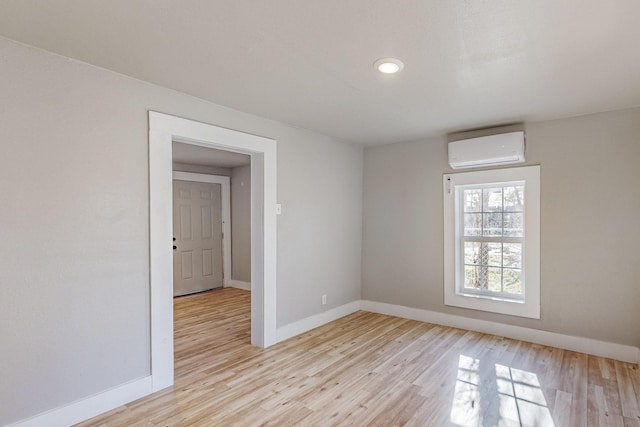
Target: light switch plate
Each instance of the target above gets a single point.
(278, 209)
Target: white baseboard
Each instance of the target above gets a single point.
(625, 353)
(238, 284)
(311, 322)
(91, 406)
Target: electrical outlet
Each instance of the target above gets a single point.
(324, 300)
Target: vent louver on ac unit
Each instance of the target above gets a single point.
(492, 150)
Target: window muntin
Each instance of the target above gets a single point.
(490, 223)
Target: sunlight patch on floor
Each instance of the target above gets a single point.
(495, 394)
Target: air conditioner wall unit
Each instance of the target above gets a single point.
(492, 150)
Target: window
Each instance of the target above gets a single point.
(492, 240)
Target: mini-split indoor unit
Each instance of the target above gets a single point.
(492, 150)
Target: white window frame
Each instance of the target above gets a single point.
(527, 305)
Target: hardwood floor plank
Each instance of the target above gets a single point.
(562, 408)
(631, 422)
(626, 377)
(371, 369)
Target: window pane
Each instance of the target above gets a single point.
(514, 198)
(473, 200)
(512, 281)
(514, 224)
(492, 224)
(475, 277)
(494, 282)
(512, 255)
(472, 224)
(494, 254)
(492, 199)
(472, 253)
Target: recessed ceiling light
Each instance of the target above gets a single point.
(388, 65)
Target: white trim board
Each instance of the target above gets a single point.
(455, 294)
(240, 285)
(615, 351)
(163, 130)
(308, 323)
(91, 406)
(225, 184)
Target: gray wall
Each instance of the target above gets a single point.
(210, 170)
(590, 227)
(241, 223)
(74, 259)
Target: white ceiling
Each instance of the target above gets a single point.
(196, 155)
(468, 63)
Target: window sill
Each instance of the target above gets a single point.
(490, 297)
(493, 304)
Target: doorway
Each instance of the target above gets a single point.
(163, 131)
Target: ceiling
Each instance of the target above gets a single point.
(196, 155)
(468, 63)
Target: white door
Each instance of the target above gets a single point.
(197, 235)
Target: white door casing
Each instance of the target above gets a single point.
(163, 130)
(197, 237)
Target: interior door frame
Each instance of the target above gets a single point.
(163, 130)
(225, 197)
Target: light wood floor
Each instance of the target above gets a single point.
(370, 369)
